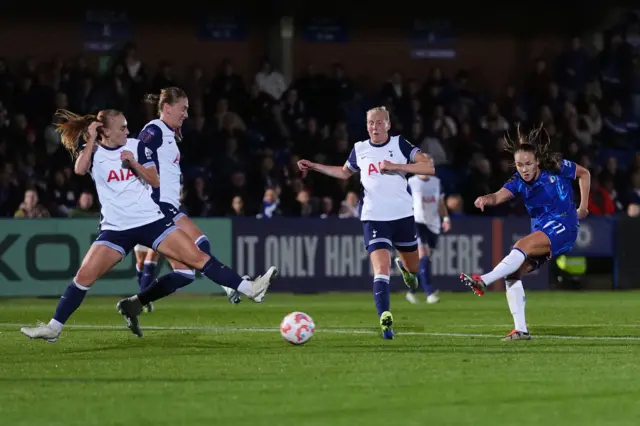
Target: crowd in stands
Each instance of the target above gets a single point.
(243, 138)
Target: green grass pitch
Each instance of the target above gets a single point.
(205, 362)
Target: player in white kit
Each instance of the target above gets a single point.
(430, 213)
(161, 137)
(387, 208)
(122, 170)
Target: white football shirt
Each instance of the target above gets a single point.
(161, 140)
(426, 195)
(386, 196)
(125, 200)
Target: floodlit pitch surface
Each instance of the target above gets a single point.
(205, 362)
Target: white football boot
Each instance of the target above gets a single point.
(41, 331)
(261, 284)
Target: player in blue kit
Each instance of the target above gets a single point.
(544, 182)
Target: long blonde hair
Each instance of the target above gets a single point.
(72, 126)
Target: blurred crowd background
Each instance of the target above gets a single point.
(246, 131)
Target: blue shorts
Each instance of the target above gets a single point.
(562, 236)
(149, 235)
(400, 233)
(170, 211)
(426, 237)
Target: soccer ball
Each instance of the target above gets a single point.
(297, 328)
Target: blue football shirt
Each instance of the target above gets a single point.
(549, 197)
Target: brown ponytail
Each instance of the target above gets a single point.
(170, 95)
(537, 142)
(72, 127)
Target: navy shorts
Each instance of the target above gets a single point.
(400, 233)
(426, 237)
(562, 236)
(170, 211)
(150, 235)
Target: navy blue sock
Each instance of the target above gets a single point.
(424, 277)
(139, 276)
(164, 286)
(215, 270)
(69, 302)
(221, 274)
(381, 293)
(204, 245)
(148, 275)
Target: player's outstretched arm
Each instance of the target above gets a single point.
(497, 198)
(584, 182)
(333, 171)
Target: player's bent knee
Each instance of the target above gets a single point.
(382, 271)
(198, 260)
(86, 276)
(189, 228)
(380, 261)
(514, 277)
(521, 245)
(152, 256)
(410, 260)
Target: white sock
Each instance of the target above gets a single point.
(517, 302)
(508, 266)
(246, 288)
(55, 325)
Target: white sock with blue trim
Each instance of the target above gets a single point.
(517, 301)
(508, 266)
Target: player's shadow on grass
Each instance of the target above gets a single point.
(174, 344)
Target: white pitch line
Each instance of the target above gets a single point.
(556, 325)
(324, 330)
(536, 325)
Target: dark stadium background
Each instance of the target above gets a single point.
(459, 58)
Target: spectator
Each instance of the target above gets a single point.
(30, 208)
(326, 207)
(349, 207)
(270, 81)
(304, 205)
(600, 202)
(270, 205)
(241, 139)
(84, 207)
(237, 206)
